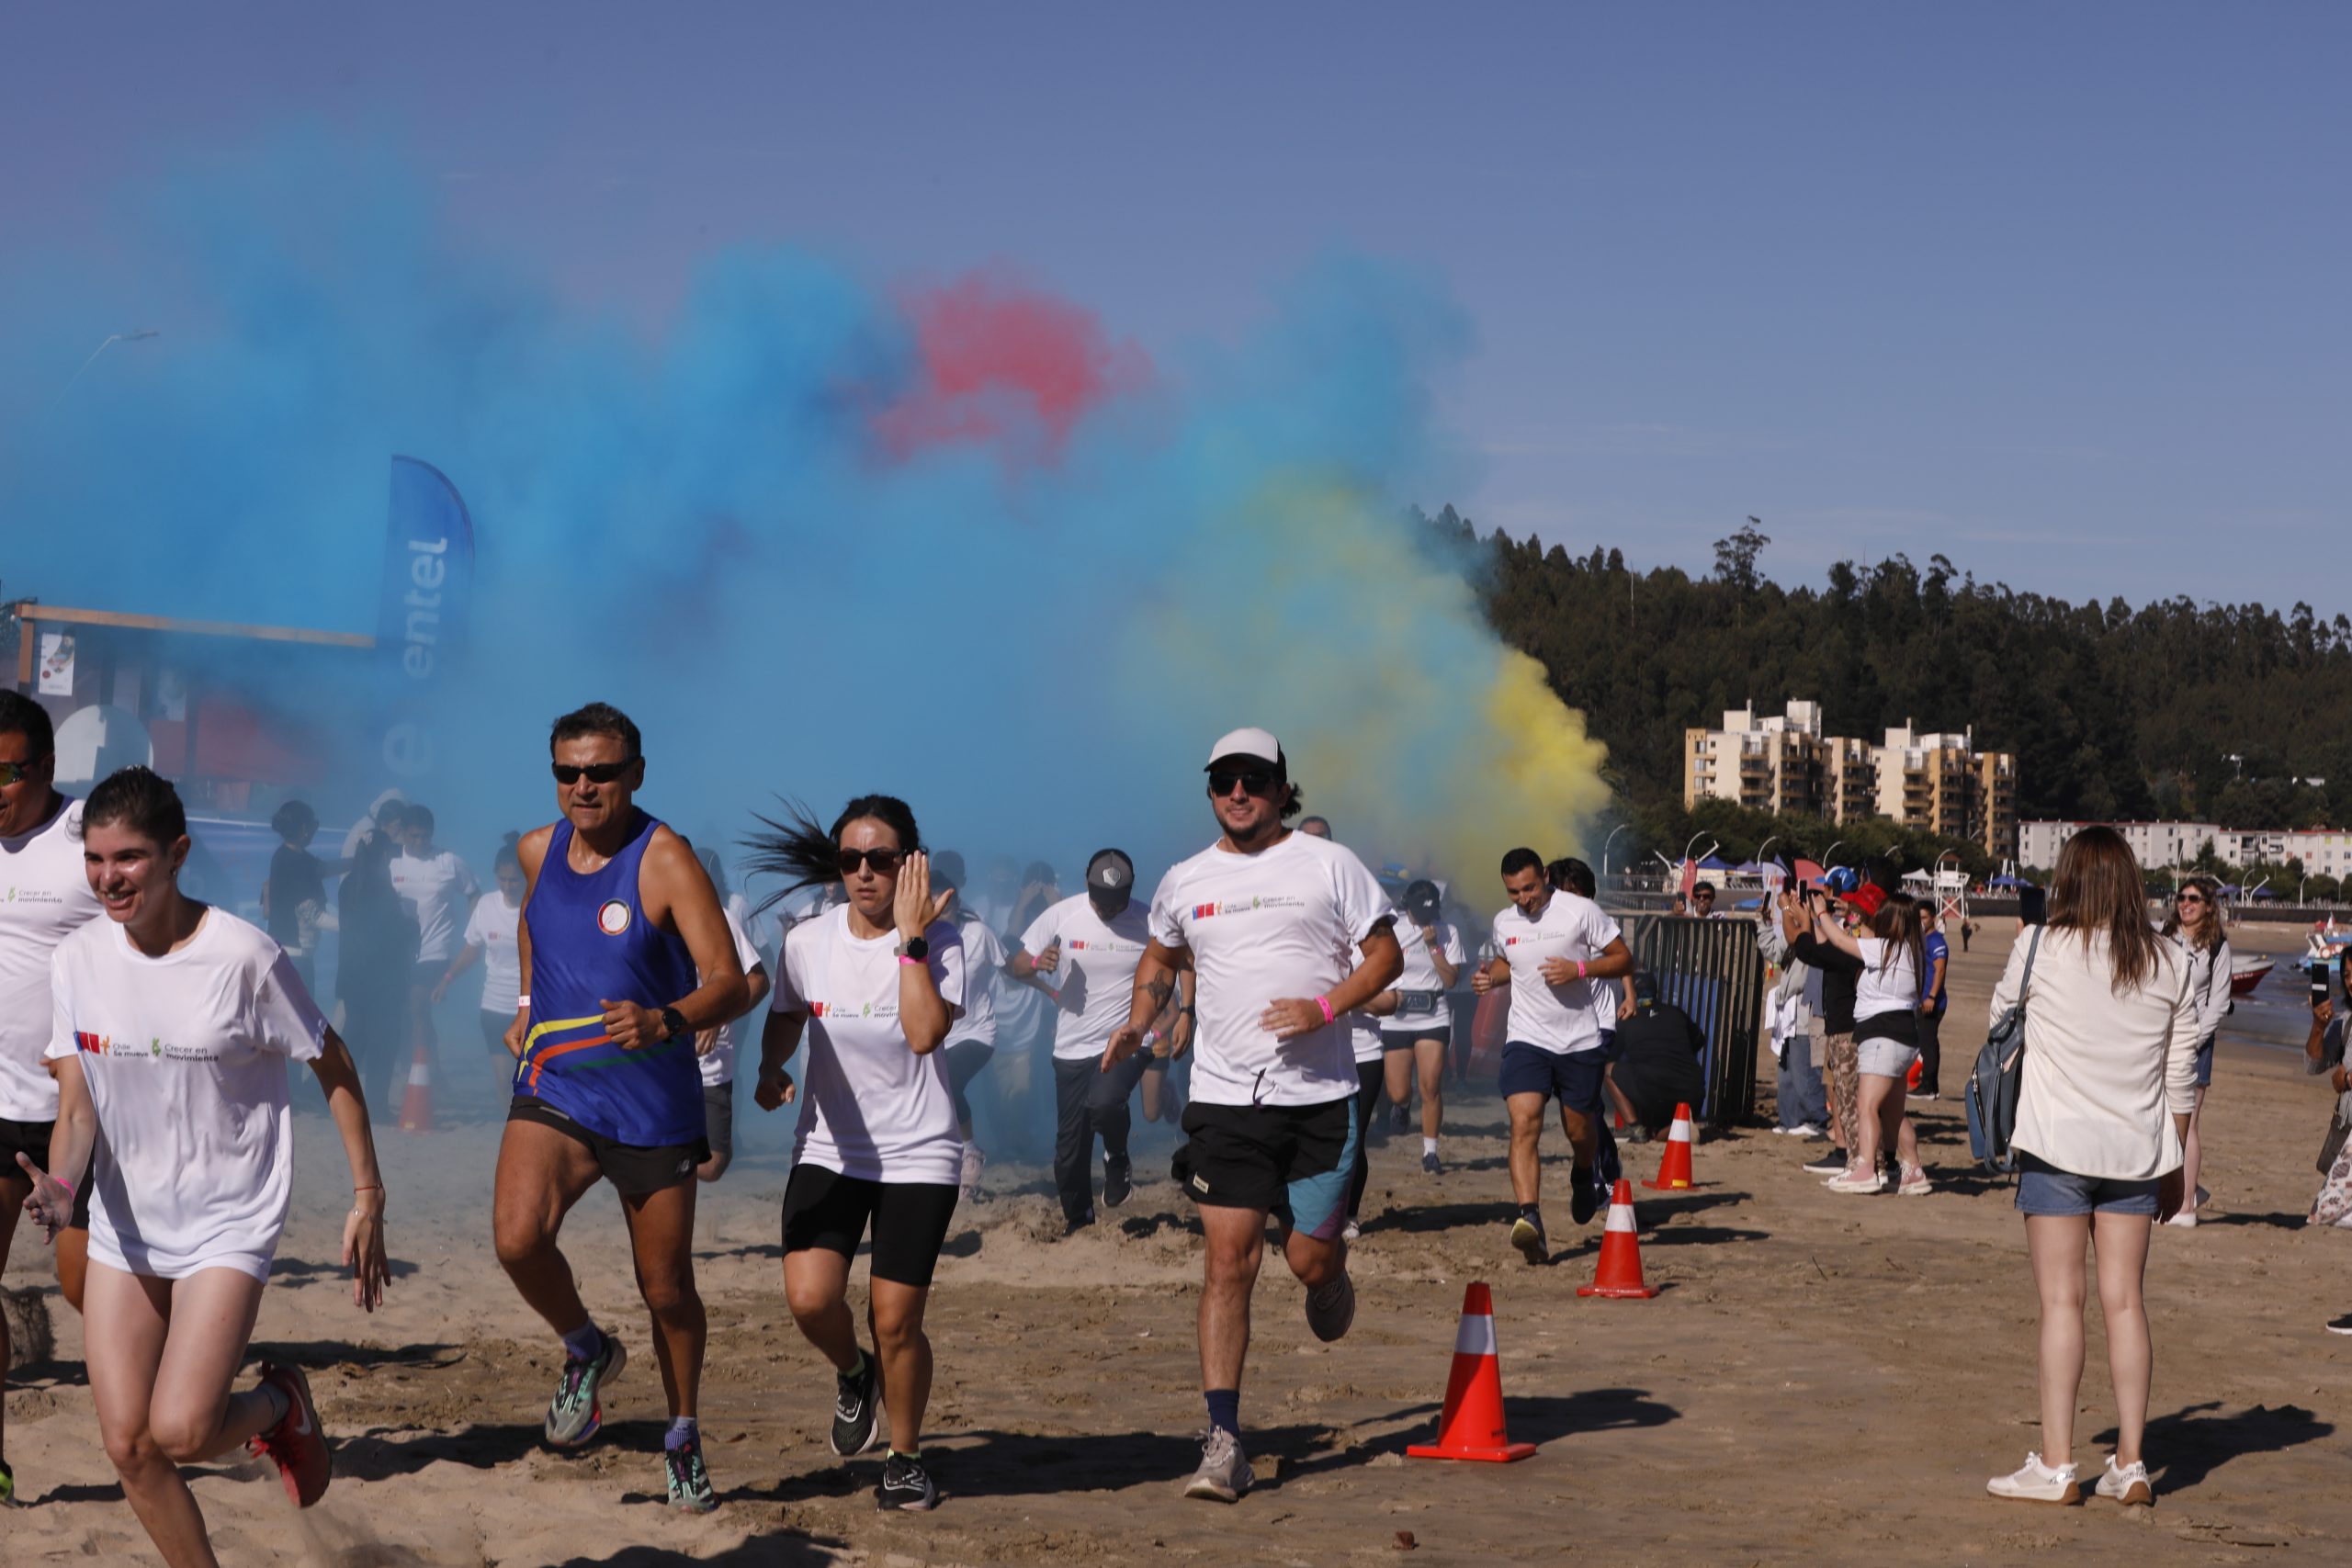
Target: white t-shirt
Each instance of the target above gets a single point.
(1893, 989)
(1021, 1008)
(44, 894)
(719, 1066)
(1566, 1019)
(186, 1058)
(869, 1107)
(1363, 1038)
(1420, 975)
(983, 963)
(492, 929)
(1287, 921)
(1095, 983)
(434, 889)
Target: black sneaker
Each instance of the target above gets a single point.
(1430, 1164)
(1400, 1118)
(857, 1401)
(1583, 1199)
(689, 1482)
(1117, 1184)
(1527, 1235)
(905, 1486)
(2340, 1325)
(1832, 1162)
(1073, 1223)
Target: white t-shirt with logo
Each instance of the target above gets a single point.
(1566, 1019)
(1420, 975)
(44, 896)
(983, 963)
(493, 929)
(186, 1058)
(869, 1107)
(1287, 921)
(434, 889)
(719, 1066)
(1095, 986)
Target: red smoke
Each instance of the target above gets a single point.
(1001, 362)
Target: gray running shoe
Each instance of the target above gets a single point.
(577, 1413)
(1331, 1307)
(1223, 1474)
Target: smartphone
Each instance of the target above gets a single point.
(2319, 983)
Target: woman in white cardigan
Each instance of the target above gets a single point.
(2195, 926)
(2109, 1079)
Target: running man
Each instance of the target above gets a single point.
(1554, 944)
(49, 895)
(1083, 953)
(172, 1025)
(626, 956)
(1268, 922)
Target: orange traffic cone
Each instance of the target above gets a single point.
(1620, 1273)
(1674, 1165)
(1911, 1078)
(416, 1107)
(1472, 1424)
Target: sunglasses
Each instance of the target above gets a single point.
(2189, 898)
(884, 862)
(18, 772)
(1257, 781)
(594, 773)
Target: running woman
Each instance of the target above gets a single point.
(972, 1040)
(173, 1022)
(48, 896)
(1270, 923)
(715, 1049)
(1083, 953)
(1552, 943)
(1415, 1037)
(875, 985)
(625, 958)
(492, 934)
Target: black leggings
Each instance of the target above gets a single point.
(965, 1060)
(1372, 1082)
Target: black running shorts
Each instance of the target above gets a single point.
(1267, 1158)
(634, 1169)
(825, 1209)
(31, 1140)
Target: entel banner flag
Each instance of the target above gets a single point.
(429, 589)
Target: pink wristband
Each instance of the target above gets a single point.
(1579, 969)
(911, 963)
(62, 1182)
(1324, 1003)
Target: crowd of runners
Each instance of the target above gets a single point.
(1269, 996)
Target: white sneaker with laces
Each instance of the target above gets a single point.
(2037, 1483)
(1806, 1130)
(1856, 1181)
(2127, 1483)
(1914, 1182)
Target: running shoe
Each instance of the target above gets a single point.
(1116, 1184)
(1914, 1182)
(2035, 1482)
(1225, 1473)
(2128, 1485)
(906, 1486)
(689, 1482)
(1400, 1118)
(1806, 1130)
(1858, 1181)
(857, 1397)
(1350, 1231)
(1583, 1199)
(1923, 1094)
(1331, 1307)
(296, 1442)
(2340, 1325)
(1431, 1166)
(969, 1180)
(1634, 1135)
(1527, 1235)
(2185, 1219)
(7, 1485)
(1833, 1162)
(577, 1412)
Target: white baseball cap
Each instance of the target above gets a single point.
(1260, 744)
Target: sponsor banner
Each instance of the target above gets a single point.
(421, 627)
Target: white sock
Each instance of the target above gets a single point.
(1429, 1145)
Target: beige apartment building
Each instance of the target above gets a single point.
(1937, 782)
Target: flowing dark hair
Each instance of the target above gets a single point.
(2098, 891)
(801, 854)
(2211, 889)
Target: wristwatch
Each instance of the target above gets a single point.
(673, 1024)
(915, 947)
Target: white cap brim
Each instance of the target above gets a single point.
(1251, 742)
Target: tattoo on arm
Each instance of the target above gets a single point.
(1159, 989)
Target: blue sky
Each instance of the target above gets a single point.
(2059, 290)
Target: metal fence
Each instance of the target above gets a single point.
(1711, 970)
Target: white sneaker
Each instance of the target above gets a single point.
(2186, 1219)
(2037, 1483)
(1856, 1181)
(1349, 1230)
(1914, 1182)
(2127, 1484)
(1806, 1130)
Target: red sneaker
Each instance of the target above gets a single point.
(296, 1443)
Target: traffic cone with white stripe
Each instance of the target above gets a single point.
(1620, 1273)
(416, 1106)
(1470, 1425)
(1674, 1165)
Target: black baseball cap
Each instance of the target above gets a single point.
(1110, 871)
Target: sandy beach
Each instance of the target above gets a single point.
(1825, 1380)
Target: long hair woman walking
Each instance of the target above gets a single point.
(2195, 925)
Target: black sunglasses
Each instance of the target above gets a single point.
(2189, 898)
(1257, 781)
(884, 862)
(594, 773)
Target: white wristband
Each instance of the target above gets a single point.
(521, 1002)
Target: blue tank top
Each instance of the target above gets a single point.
(590, 942)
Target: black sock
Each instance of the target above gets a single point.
(1530, 1211)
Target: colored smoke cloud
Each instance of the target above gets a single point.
(820, 535)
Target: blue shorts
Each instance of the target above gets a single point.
(2044, 1189)
(1573, 1079)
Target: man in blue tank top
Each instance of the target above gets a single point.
(625, 956)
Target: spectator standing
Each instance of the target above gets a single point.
(376, 952)
(2195, 927)
(1935, 953)
(295, 895)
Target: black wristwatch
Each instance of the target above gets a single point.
(915, 947)
(674, 1023)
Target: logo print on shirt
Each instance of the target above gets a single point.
(612, 918)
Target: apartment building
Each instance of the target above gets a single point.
(1786, 762)
(2325, 852)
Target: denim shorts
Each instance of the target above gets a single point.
(1885, 1058)
(2044, 1189)
(2205, 1063)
